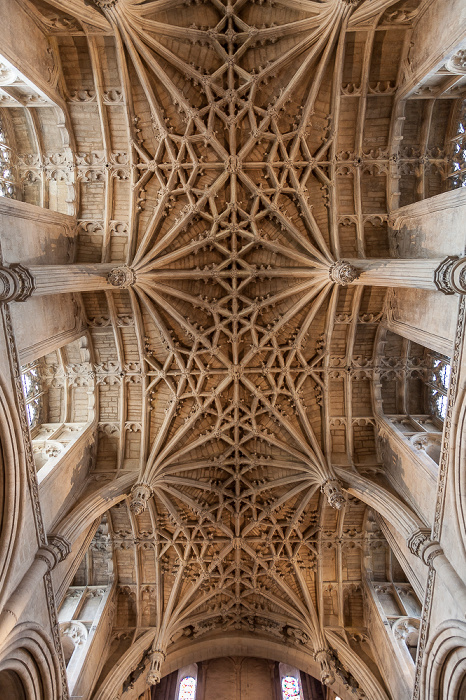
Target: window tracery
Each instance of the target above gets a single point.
(33, 392)
(438, 381)
(458, 171)
(7, 182)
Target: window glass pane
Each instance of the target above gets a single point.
(458, 158)
(30, 379)
(437, 382)
(187, 689)
(290, 688)
(6, 174)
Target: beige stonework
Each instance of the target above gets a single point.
(232, 305)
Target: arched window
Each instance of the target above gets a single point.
(290, 688)
(186, 683)
(187, 689)
(33, 392)
(438, 381)
(458, 170)
(7, 183)
(290, 682)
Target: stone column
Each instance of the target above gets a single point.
(17, 283)
(46, 559)
(447, 275)
(432, 554)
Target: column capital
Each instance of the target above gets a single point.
(54, 552)
(418, 541)
(122, 277)
(450, 276)
(16, 283)
(342, 272)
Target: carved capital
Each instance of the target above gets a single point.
(60, 545)
(450, 276)
(342, 273)
(122, 277)
(335, 496)
(140, 494)
(16, 283)
(418, 541)
(430, 551)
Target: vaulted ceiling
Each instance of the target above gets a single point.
(230, 153)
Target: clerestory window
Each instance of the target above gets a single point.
(33, 392)
(187, 690)
(458, 166)
(438, 381)
(290, 688)
(7, 183)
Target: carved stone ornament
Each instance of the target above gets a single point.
(122, 277)
(76, 631)
(457, 63)
(406, 629)
(450, 276)
(155, 673)
(342, 272)
(140, 494)
(332, 489)
(60, 545)
(418, 541)
(16, 283)
(105, 4)
(323, 658)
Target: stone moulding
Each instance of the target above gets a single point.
(440, 501)
(16, 283)
(122, 277)
(34, 492)
(342, 273)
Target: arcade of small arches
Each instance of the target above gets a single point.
(232, 361)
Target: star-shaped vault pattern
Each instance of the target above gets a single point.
(233, 234)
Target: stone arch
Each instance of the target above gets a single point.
(94, 506)
(459, 460)
(444, 664)
(247, 646)
(12, 485)
(11, 685)
(29, 663)
(402, 518)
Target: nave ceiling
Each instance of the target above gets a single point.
(229, 154)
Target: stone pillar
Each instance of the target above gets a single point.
(432, 554)
(447, 275)
(18, 283)
(46, 559)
